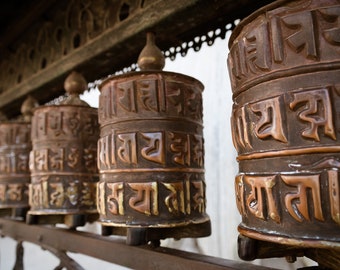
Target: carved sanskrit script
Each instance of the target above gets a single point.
(54, 193)
(270, 123)
(151, 94)
(255, 200)
(302, 198)
(145, 199)
(297, 202)
(12, 193)
(317, 112)
(14, 161)
(311, 113)
(180, 197)
(14, 134)
(63, 159)
(56, 123)
(281, 40)
(131, 148)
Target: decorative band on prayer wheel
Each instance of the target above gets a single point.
(63, 160)
(150, 151)
(284, 65)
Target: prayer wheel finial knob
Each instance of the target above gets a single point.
(75, 84)
(151, 57)
(27, 108)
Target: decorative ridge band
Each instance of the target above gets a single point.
(289, 152)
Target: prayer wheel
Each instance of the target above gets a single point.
(150, 153)
(63, 160)
(15, 146)
(284, 66)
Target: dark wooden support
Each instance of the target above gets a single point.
(103, 51)
(19, 262)
(250, 249)
(115, 250)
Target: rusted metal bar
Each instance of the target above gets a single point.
(115, 250)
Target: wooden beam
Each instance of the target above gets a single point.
(119, 45)
(114, 250)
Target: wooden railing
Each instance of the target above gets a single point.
(112, 249)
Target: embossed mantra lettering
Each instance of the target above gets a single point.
(57, 193)
(129, 148)
(12, 192)
(280, 38)
(181, 197)
(63, 159)
(312, 107)
(149, 96)
(302, 200)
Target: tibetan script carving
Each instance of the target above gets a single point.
(179, 197)
(281, 40)
(271, 121)
(54, 193)
(297, 202)
(145, 199)
(255, 200)
(152, 95)
(157, 147)
(317, 112)
(115, 199)
(302, 196)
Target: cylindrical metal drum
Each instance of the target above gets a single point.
(63, 160)
(15, 146)
(284, 65)
(150, 152)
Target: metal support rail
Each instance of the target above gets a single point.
(111, 249)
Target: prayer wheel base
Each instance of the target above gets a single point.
(70, 220)
(142, 235)
(14, 212)
(250, 249)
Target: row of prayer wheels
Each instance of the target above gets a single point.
(136, 163)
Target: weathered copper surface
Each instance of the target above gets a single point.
(63, 160)
(284, 65)
(15, 145)
(150, 152)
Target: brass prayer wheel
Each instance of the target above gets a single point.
(284, 66)
(150, 152)
(63, 160)
(15, 146)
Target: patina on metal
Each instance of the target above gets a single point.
(15, 146)
(151, 154)
(284, 65)
(63, 160)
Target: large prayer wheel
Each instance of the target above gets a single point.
(63, 160)
(284, 65)
(150, 152)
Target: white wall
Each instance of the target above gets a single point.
(208, 66)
